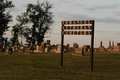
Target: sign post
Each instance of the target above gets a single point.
(85, 27)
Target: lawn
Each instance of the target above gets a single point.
(46, 66)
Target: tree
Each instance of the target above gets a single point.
(15, 32)
(18, 29)
(41, 18)
(23, 20)
(5, 16)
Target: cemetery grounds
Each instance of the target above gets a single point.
(46, 66)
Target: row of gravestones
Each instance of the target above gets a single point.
(80, 51)
(9, 50)
(111, 48)
(57, 49)
(86, 48)
(4, 47)
(48, 47)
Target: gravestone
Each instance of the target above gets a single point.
(13, 49)
(27, 50)
(48, 44)
(38, 49)
(21, 49)
(102, 48)
(75, 45)
(110, 48)
(116, 49)
(46, 49)
(96, 50)
(112, 44)
(51, 50)
(54, 49)
(85, 50)
(118, 44)
(109, 44)
(78, 52)
(86, 47)
(100, 43)
(7, 51)
(43, 46)
(66, 48)
(89, 50)
(59, 49)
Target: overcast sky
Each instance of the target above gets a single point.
(104, 12)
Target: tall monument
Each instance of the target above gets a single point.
(100, 43)
(112, 43)
(109, 44)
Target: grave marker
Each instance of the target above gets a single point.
(27, 50)
(112, 44)
(58, 49)
(38, 49)
(78, 52)
(96, 50)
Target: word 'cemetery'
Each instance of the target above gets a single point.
(76, 27)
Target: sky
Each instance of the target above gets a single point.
(104, 12)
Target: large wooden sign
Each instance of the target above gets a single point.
(85, 27)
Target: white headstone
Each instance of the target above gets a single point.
(46, 49)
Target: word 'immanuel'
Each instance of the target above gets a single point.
(78, 22)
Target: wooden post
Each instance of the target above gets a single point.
(62, 41)
(92, 44)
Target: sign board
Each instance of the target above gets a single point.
(85, 27)
(76, 32)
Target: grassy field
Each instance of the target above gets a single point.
(46, 66)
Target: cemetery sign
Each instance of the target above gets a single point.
(85, 27)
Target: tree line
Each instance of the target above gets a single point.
(37, 15)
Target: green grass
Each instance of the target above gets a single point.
(46, 66)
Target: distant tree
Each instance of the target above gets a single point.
(41, 18)
(23, 20)
(15, 32)
(18, 29)
(5, 16)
